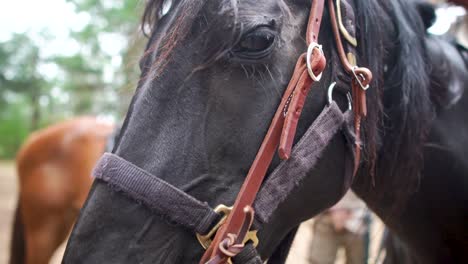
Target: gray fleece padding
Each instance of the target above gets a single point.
(304, 156)
(168, 201)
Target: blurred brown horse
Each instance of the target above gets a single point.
(54, 171)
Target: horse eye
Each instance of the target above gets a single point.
(258, 42)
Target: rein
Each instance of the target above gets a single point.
(226, 232)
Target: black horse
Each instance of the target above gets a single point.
(212, 76)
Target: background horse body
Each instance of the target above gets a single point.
(54, 170)
(212, 77)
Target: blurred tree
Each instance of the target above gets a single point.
(38, 88)
(19, 58)
(120, 21)
(21, 88)
(13, 129)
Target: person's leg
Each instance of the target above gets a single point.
(325, 242)
(354, 246)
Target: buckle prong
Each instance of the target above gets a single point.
(356, 76)
(205, 240)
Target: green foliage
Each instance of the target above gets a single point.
(13, 129)
(95, 80)
(18, 61)
(122, 19)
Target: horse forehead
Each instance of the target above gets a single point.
(260, 6)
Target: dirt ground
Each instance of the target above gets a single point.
(8, 196)
(7, 205)
(8, 192)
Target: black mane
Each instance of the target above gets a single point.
(400, 109)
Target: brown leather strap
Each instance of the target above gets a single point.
(294, 96)
(228, 240)
(296, 105)
(315, 20)
(361, 77)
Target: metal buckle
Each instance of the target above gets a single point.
(310, 51)
(330, 96)
(205, 240)
(359, 80)
(330, 92)
(344, 32)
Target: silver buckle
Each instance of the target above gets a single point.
(310, 50)
(330, 96)
(359, 80)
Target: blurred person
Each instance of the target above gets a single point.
(344, 225)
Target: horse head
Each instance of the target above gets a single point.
(213, 74)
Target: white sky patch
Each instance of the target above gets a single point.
(48, 70)
(48, 24)
(44, 100)
(446, 16)
(112, 43)
(56, 17)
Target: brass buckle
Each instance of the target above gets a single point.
(205, 240)
(352, 40)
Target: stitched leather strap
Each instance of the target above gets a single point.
(297, 102)
(291, 104)
(199, 216)
(286, 119)
(361, 77)
(315, 20)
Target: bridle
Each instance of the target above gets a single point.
(230, 227)
(231, 235)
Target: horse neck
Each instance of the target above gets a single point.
(443, 174)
